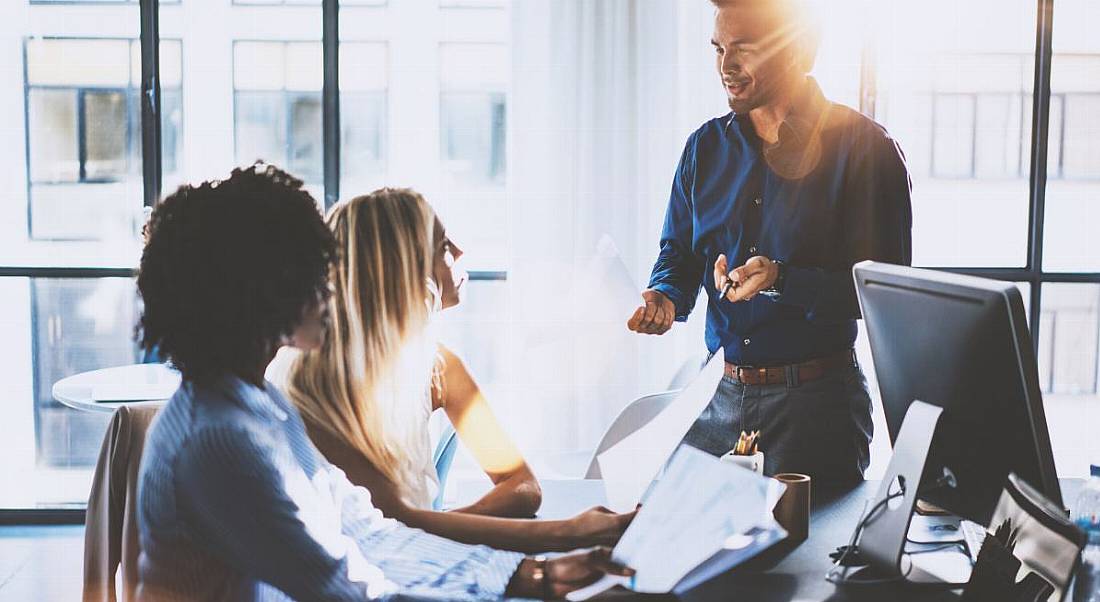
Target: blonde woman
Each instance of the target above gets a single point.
(367, 392)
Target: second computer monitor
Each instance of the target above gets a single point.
(961, 343)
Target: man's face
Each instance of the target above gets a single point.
(751, 54)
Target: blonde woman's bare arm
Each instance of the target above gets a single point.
(516, 491)
(597, 526)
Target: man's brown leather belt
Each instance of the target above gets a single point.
(793, 374)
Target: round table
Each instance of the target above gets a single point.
(107, 389)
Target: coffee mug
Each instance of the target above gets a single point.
(754, 462)
(792, 512)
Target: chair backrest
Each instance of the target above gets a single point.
(634, 416)
(111, 533)
(442, 458)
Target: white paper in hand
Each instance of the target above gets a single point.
(631, 465)
(692, 513)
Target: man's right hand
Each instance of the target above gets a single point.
(654, 316)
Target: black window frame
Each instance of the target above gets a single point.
(1031, 273)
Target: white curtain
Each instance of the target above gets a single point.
(604, 94)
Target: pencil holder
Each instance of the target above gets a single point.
(755, 462)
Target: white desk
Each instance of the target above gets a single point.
(107, 389)
(561, 498)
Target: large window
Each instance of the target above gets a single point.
(959, 96)
(423, 91)
(956, 94)
(248, 84)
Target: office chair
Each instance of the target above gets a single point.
(442, 459)
(111, 531)
(634, 416)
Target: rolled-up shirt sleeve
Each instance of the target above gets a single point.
(878, 221)
(678, 271)
(421, 565)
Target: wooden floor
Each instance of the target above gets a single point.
(41, 563)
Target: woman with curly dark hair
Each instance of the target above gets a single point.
(234, 501)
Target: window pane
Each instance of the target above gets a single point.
(1068, 367)
(363, 89)
(362, 154)
(277, 99)
(950, 89)
(83, 145)
(472, 113)
(474, 80)
(1070, 241)
(79, 141)
(106, 128)
(998, 137)
(1082, 153)
(472, 130)
(171, 126)
(52, 115)
(260, 123)
(306, 158)
(953, 123)
(56, 328)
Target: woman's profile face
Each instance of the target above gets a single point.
(449, 279)
(310, 333)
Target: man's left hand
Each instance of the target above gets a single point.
(757, 274)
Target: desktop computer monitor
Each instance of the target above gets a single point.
(960, 343)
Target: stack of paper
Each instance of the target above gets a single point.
(701, 519)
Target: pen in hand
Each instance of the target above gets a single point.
(726, 289)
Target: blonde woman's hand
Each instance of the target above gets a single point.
(598, 526)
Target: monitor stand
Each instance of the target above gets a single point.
(882, 542)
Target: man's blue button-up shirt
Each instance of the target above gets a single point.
(833, 191)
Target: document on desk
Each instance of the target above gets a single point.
(629, 467)
(701, 519)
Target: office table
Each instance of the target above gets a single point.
(107, 389)
(784, 573)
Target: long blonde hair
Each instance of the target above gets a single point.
(368, 384)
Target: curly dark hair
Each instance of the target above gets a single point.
(229, 268)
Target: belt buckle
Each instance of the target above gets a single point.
(763, 372)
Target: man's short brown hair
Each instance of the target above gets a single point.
(790, 14)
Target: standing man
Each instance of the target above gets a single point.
(779, 198)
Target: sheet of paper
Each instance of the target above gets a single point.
(629, 466)
(692, 513)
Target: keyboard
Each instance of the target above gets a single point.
(974, 536)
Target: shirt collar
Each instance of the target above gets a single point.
(261, 401)
(799, 148)
(802, 118)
